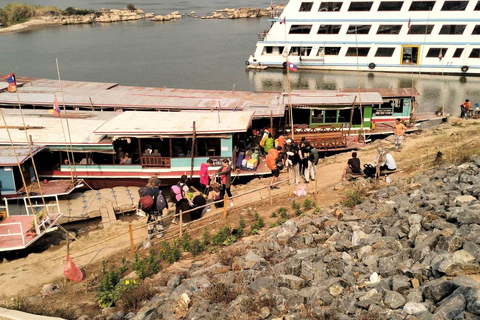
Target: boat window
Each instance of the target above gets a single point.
(300, 29)
(362, 52)
(458, 53)
(436, 53)
(357, 116)
(329, 29)
(454, 5)
(360, 6)
(331, 51)
(398, 106)
(330, 116)
(273, 50)
(344, 115)
(306, 6)
(268, 50)
(208, 147)
(476, 30)
(475, 53)
(358, 29)
(384, 52)
(420, 29)
(452, 29)
(389, 29)
(477, 7)
(156, 147)
(330, 6)
(390, 6)
(300, 51)
(422, 5)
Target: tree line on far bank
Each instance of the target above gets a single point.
(14, 13)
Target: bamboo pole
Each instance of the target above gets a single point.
(132, 245)
(316, 190)
(225, 202)
(181, 223)
(193, 151)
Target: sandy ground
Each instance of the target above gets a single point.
(26, 276)
(28, 25)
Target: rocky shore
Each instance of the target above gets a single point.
(117, 15)
(410, 251)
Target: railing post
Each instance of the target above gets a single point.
(58, 205)
(26, 206)
(181, 223)
(270, 195)
(6, 207)
(225, 202)
(316, 191)
(21, 232)
(132, 245)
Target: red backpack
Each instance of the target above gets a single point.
(146, 202)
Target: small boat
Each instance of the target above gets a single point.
(256, 67)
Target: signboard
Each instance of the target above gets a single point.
(383, 112)
(217, 162)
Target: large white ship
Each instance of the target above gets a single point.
(387, 36)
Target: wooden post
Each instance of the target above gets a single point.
(351, 114)
(316, 191)
(193, 151)
(271, 123)
(181, 223)
(132, 245)
(233, 88)
(225, 202)
(270, 195)
(91, 103)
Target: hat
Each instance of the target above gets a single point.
(289, 141)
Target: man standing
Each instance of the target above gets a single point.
(292, 162)
(204, 177)
(465, 109)
(272, 159)
(399, 131)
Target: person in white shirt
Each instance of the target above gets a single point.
(387, 163)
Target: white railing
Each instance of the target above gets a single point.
(9, 234)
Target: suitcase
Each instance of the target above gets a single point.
(240, 157)
(252, 163)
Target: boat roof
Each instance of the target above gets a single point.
(333, 98)
(41, 92)
(388, 92)
(138, 123)
(46, 129)
(8, 158)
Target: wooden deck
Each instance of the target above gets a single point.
(11, 225)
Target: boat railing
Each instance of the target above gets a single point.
(155, 161)
(275, 14)
(13, 234)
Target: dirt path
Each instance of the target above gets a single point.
(27, 275)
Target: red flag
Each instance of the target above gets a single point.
(71, 271)
(409, 21)
(56, 109)
(12, 82)
(284, 21)
(291, 66)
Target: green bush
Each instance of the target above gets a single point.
(222, 235)
(241, 228)
(145, 267)
(107, 293)
(197, 247)
(308, 204)
(14, 13)
(131, 7)
(295, 205)
(206, 237)
(174, 255)
(170, 253)
(273, 215)
(185, 242)
(257, 224)
(283, 213)
(71, 11)
(354, 197)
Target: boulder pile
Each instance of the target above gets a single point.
(410, 251)
(115, 15)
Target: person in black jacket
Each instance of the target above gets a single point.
(154, 220)
(292, 163)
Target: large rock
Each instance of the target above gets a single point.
(393, 300)
(469, 216)
(291, 282)
(460, 262)
(462, 200)
(428, 243)
(414, 308)
(450, 307)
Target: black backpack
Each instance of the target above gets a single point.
(279, 162)
(369, 170)
(161, 202)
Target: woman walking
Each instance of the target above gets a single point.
(225, 173)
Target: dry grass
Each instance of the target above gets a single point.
(23, 305)
(221, 292)
(14, 13)
(131, 300)
(226, 256)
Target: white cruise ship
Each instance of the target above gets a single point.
(387, 36)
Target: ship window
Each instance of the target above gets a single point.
(475, 53)
(390, 6)
(330, 6)
(300, 29)
(476, 30)
(436, 53)
(306, 6)
(344, 115)
(300, 51)
(331, 51)
(329, 29)
(422, 6)
(384, 52)
(389, 29)
(452, 29)
(454, 5)
(268, 50)
(330, 116)
(360, 6)
(420, 29)
(273, 50)
(458, 53)
(362, 52)
(477, 7)
(360, 29)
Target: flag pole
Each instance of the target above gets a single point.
(66, 143)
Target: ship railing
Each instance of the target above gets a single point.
(13, 234)
(275, 14)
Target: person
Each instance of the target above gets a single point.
(301, 168)
(198, 200)
(399, 131)
(272, 160)
(353, 166)
(316, 157)
(292, 162)
(269, 143)
(126, 159)
(304, 155)
(387, 163)
(120, 155)
(465, 109)
(154, 217)
(281, 141)
(184, 203)
(311, 167)
(225, 173)
(204, 177)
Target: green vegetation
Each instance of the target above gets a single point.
(196, 247)
(145, 267)
(206, 237)
(107, 293)
(308, 204)
(185, 242)
(354, 197)
(71, 11)
(220, 237)
(296, 206)
(131, 7)
(282, 212)
(257, 224)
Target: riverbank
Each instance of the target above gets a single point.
(117, 15)
(456, 140)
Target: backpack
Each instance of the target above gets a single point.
(369, 170)
(161, 202)
(146, 202)
(279, 162)
(176, 192)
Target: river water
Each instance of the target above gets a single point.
(190, 53)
